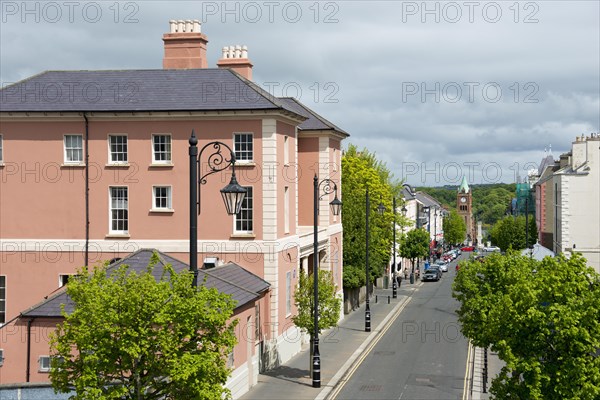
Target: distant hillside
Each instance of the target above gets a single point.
(490, 201)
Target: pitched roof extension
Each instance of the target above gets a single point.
(231, 279)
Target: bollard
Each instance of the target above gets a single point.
(388, 299)
(376, 299)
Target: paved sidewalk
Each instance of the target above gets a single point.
(339, 348)
(494, 365)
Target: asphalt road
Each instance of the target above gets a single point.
(421, 356)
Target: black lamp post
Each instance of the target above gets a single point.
(233, 194)
(427, 210)
(394, 280)
(367, 307)
(435, 215)
(327, 186)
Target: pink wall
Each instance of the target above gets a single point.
(287, 176)
(288, 262)
(308, 159)
(34, 155)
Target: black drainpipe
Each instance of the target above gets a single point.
(28, 371)
(87, 191)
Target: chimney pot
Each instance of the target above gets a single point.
(185, 46)
(236, 59)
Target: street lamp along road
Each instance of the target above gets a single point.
(327, 186)
(233, 194)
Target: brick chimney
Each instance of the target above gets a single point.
(185, 46)
(236, 58)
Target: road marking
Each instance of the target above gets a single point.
(467, 373)
(360, 354)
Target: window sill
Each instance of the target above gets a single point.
(243, 236)
(117, 236)
(245, 164)
(156, 165)
(1, 164)
(117, 165)
(72, 165)
(162, 210)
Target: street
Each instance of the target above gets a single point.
(421, 356)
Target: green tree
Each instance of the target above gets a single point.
(359, 171)
(533, 232)
(414, 245)
(329, 303)
(132, 336)
(510, 233)
(543, 320)
(455, 229)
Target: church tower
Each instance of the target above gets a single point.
(464, 206)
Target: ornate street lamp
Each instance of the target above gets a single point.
(326, 186)
(233, 194)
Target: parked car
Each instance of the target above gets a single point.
(467, 248)
(443, 266)
(491, 248)
(432, 274)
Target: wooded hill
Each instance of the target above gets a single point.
(490, 201)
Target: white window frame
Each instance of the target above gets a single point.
(110, 153)
(169, 152)
(41, 361)
(239, 151)
(1, 357)
(3, 302)
(169, 207)
(286, 209)
(237, 218)
(61, 279)
(288, 293)
(66, 149)
(110, 211)
(1, 149)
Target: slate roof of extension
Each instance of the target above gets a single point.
(315, 121)
(208, 89)
(232, 279)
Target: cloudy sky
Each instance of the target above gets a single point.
(435, 89)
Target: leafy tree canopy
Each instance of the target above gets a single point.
(329, 303)
(455, 229)
(361, 169)
(132, 336)
(510, 233)
(415, 244)
(543, 320)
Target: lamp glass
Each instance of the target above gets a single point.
(381, 208)
(233, 196)
(336, 206)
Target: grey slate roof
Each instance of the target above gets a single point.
(427, 200)
(546, 162)
(231, 279)
(206, 89)
(407, 194)
(314, 121)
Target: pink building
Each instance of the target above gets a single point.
(94, 166)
